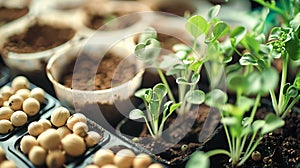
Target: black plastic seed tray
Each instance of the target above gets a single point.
(22, 160)
(48, 104)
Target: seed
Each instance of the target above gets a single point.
(136, 140)
(27, 142)
(37, 155)
(103, 157)
(24, 93)
(5, 113)
(31, 106)
(49, 139)
(73, 145)
(124, 158)
(20, 82)
(38, 94)
(184, 147)
(110, 166)
(77, 117)
(55, 159)
(18, 118)
(5, 126)
(80, 128)
(59, 116)
(256, 156)
(8, 164)
(15, 102)
(46, 123)
(6, 92)
(142, 161)
(92, 138)
(35, 128)
(155, 165)
(63, 131)
(2, 155)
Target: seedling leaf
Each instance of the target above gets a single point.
(195, 97)
(136, 114)
(196, 26)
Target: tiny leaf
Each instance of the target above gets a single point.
(216, 98)
(196, 26)
(295, 23)
(147, 34)
(214, 11)
(237, 34)
(220, 30)
(160, 90)
(195, 97)
(140, 93)
(175, 106)
(136, 114)
(272, 122)
(198, 160)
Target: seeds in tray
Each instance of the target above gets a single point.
(63, 131)
(49, 139)
(73, 145)
(6, 92)
(80, 128)
(8, 164)
(142, 161)
(124, 158)
(92, 138)
(24, 93)
(37, 155)
(77, 117)
(15, 102)
(38, 94)
(55, 159)
(103, 157)
(59, 116)
(46, 123)
(27, 142)
(5, 126)
(31, 106)
(35, 128)
(2, 155)
(18, 118)
(155, 165)
(5, 113)
(110, 166)
(20, 82)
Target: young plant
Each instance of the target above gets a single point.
(153, 101)
(186, 63)
(238, 128)
(283, 42)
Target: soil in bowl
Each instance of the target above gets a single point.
(186, 129)
(111, 71)
(10, 14)
(110, 21)
(38, 37)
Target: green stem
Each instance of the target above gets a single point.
(250, 152)
(243, 144)
(216, 152)
(274, 102)
(283, 81)
(163, 79)
(251, 142)
(290, 106)
(149, 128)
(237, 150)
(227, 135)
(272, 7)
(253, 112)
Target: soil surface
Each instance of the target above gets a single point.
(110, 21)
(38, 38)
(185, 129)
(111, 71)
(175, 7)
(9, 14)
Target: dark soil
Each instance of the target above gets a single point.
(37, 38)
(9, 14)
(111, 71)
(185, 129)
(111, 21)
(175, 7)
